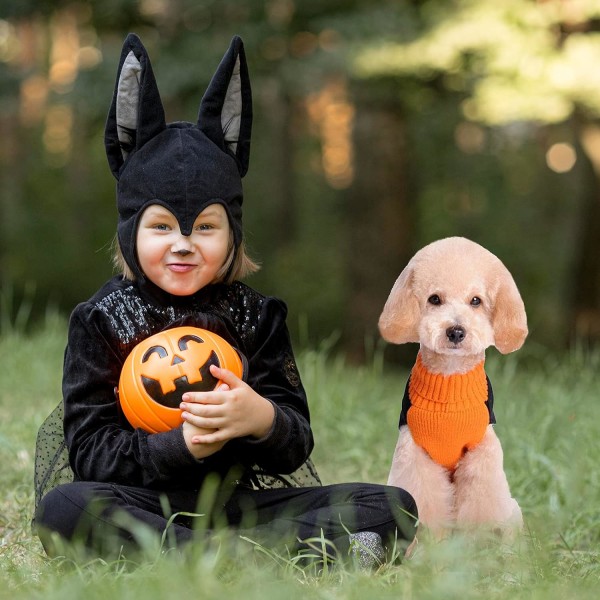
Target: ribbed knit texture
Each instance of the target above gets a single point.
(448, 414)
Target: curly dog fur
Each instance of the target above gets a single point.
(455, 299)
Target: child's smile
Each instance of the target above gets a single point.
(181, 268)
(181, 265)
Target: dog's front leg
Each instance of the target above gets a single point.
(428, 482)
(482, 491)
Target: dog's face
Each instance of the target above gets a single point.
(455, 312)
(455, 298)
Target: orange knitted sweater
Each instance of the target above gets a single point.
(448, 414)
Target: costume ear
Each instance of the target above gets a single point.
(509, 320)
(225, 114)
(399, 320)
(136, 114)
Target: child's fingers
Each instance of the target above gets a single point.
(206, 416)
(226, 376)
(205, 397)
(214, 437)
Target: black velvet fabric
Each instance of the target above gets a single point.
(104, 447)
(280, 518)
(182, 170)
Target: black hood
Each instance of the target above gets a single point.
(182, 166)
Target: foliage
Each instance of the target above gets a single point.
(517, 60)
(485, 90)
(547, 413)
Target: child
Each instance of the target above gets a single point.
(180, 247)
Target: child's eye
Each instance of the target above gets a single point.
(204, 227)
(161, 227)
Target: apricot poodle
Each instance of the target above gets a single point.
(455, 299)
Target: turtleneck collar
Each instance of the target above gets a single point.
(470, 387)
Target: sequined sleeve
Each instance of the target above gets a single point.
(274, 375)
(101, 446)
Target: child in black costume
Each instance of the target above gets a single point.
(179, 198)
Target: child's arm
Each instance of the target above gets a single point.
(266, 420)
(102, 446)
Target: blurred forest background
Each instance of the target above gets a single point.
(379, 126)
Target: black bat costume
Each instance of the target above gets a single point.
(91, 465)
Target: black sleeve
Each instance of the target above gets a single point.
(102, 446)
(490, 401)
(272, 373)
(405, 406)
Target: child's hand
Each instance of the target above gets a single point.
(199, 451)
(232, 410)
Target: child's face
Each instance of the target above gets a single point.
(182, 265)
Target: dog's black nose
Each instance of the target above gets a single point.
(456, 334)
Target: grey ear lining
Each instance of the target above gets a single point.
(231, 115)
(225, 114)
(136, 114)
(128, 98)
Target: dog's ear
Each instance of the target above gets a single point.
(509, 320)
(399, 320)
(225, 114)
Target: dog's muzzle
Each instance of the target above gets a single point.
(456, 334)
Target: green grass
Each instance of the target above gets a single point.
(548, 420)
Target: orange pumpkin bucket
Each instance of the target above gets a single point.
(161, 368)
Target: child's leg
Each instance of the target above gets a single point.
(285, 515)
(101, 515)
(104, 516)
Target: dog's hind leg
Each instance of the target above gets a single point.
(482, 491)
(428, 482)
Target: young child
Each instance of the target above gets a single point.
(181, 251)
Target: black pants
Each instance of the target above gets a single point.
(98, 513)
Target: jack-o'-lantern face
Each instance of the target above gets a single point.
(166, 375)
(162, 367)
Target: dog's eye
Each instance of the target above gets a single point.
(435, 300)
(476, 301)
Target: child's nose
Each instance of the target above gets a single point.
(182, 246)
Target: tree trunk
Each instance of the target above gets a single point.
(379, 212)
(277, 161)
(585, 320)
